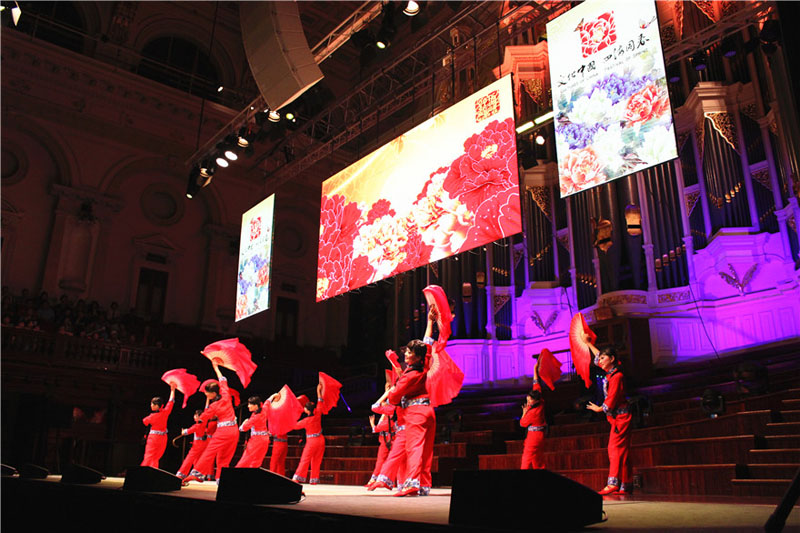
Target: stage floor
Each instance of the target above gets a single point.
(625, 513)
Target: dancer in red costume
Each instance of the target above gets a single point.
(314, 449)
(618, 415)
(533, 420)
(394, 468)
(258, 445)
(157, 420)
(222, 445)
(384, 430)
(420, 419)
(199, 443)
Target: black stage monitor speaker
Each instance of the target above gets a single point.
(80, 475)
(277, 51)
(522, 499)
(32, 471)
(257, 485)
(7, 470)
(149, 479)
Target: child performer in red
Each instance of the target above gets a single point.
(411, 393)
(394, 468)
(157, 420)
(616, 408)
(314, 449)
(533, 419)
(384, 430)
(258, 445)
(222, 445)
(199, 444)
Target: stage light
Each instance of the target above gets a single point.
(674, 73)
(289, 115)
(193, 186)
(411, 9)
(525, 127)
(544, 118)
(16, 13)
(699, 61)
(713, 403)
(244, 137)
(207, 168)
(219, 89)
(274, 116)
(770, 31)
(231, 155)
(540, 140)
(729, 47)
(387, 31)
(222, 162)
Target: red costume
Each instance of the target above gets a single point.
(384, 431)
(157, 438)
(314, 448)
(280, 447)
(258, 445)
(619, 440)
(223, 444)
(420, 421)
(395, 466)
(533, 419)
(198, 447)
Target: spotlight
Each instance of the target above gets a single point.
(411, 9)
(387, 31)
(699, 61)
(274, 116)
(221, 161)
(713, 403)
(244, 137)
(219, 89)
(231, 155)
(525, 127)
(193, 186)
(16, 13)
(543, 118)
(729, 47)
(207, 168)
(770, 31)
(540, 140)
(289, 116)
(673, 73)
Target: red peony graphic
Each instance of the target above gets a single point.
(339, 222)
(380, 208)
(579, 170)
(598, 34)
(255, 228)
(649, 103)
(263, 276)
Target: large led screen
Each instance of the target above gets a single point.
(446, 186)
(255, 259)
(610, 99)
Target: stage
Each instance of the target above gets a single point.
(331, 507)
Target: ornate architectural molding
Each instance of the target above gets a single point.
(541, 196)
(674, 297)
(708, 8)
(499, 301)
(725, 125)
(85, 194)
(691, 197)
(762, 176)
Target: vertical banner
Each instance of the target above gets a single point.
(255, 259)
(610, 99)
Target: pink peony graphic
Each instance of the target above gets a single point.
(498, 217)
(255, 228)
(648, 103)
(339, 222)
(579, 170)
(263, 275)
(380, 208)
(597, 34)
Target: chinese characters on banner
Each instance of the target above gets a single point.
(610, 99)
(447, 186)
(255, 259)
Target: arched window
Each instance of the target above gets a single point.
(181, 64)
(59, 23)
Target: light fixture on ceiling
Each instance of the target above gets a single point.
(387, 30)
(540, 140)
(219, 89)
(244, 138)
(543, 118)
(221, 161)
(289, 115)
(207, 168)
(699, 61)
(525, 127)
(193, 184)
(411, 9)
(274, 116)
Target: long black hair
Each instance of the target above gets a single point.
(255, 400)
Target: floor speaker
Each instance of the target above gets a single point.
(32, 471)
(522, 499)
(257, 485)
(149, 479)
(7, 470)
(80, 475)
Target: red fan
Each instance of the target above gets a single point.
(184, 382)
(284, 412)
(330, 392)
(435, 296)
(391, 377)
(444, 378)
(302, 400)
(237, 399)
(581, 354)
(393, 360)
(549, 368)
(233, 355)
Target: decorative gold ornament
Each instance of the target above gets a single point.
(633, 220)
(724, 124)
(691, 200)
(541, 196)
